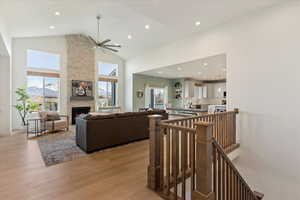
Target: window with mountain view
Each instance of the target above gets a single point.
(44, 91)
(43, 79)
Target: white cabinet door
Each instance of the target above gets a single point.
(204, 92)
(189, 89)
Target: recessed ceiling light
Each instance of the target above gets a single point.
(197, 23)
(160, 72)
(205, 64)
(52, 27)
(179, 68)
(147, 26)
(57, 13)
(129, 37)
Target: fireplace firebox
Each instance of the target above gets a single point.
(79, 110)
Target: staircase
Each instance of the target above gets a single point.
(189, 161)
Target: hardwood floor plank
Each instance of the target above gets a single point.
(114, 174)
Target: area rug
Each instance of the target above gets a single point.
(59, 147)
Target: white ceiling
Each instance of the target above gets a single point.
(169, 20)
(210, 68)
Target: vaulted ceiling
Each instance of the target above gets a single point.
(169, 20)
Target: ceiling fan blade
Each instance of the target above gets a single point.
(104, 42)
(92, 40)
(111, 49)
(113, 45)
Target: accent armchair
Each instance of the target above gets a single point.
(52, 121)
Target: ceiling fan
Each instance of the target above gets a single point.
(103, 44)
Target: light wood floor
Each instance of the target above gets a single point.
(115, 174)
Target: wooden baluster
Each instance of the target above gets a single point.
(221, 130)
(192, 158)
(183, 162)
(154, 153)
(218, 128)
(215, 175)
(230, 184)
(215, 126)
(227, 182)
(223, 179)
(162, 160)
(219, 176)
(175, 161)
(168, 161)
(225, 131)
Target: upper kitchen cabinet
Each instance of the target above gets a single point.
(189, 88)
(209, 90)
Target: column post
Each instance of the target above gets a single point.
(154, 152)
(204, 154)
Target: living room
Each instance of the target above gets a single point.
(63, 58)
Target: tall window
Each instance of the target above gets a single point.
(107, 85)
(43, 82)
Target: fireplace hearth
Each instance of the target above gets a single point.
(79, 110)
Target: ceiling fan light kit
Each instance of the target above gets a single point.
(105, 43)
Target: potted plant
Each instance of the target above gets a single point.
(24, 106)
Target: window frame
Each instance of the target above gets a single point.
(46, 73)
(115, 79)
(102, 75)
(40, 68)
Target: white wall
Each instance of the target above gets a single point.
(5, 79)
(51, 44)
(5, 95)
(263, 81)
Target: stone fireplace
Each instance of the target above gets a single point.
(80, 66)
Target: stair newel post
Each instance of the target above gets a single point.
(203, 168)
(154, 157)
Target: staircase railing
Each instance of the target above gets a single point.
(224, 129)
(188, 162)
(227, 181)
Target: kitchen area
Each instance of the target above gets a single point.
(194, 97)
(185, 89)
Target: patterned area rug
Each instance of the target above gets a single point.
(59, 147)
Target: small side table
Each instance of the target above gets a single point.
(37, 128)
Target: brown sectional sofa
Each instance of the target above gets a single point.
(96, 132)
